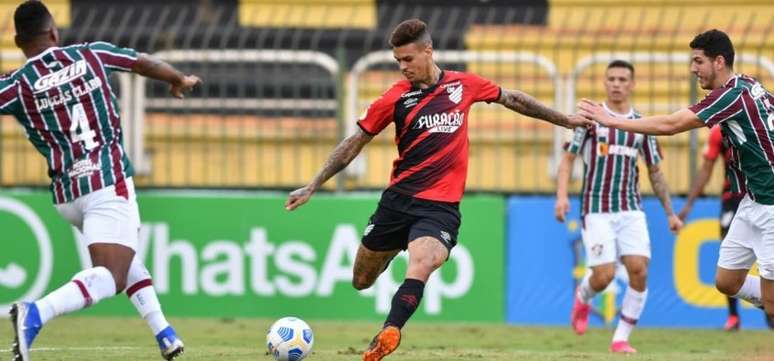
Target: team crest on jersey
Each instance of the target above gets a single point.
(597, 249)
(63, 76)
(455, 93)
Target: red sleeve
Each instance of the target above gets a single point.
(380, 113)
(484, 90)
(714, 144)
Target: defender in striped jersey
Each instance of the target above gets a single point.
(419, 210)
(62, 98)
(614, 226)
(744, 109)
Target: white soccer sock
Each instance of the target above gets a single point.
(631, 309)
(143, 296)
(585, 292)
(87, 288)
(751, 291)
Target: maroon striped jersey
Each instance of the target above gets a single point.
(610, 173)
(62, 98)
(745, 111)
(431, 132)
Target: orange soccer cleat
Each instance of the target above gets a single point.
(383, 344)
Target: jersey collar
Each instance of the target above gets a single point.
(432, 87)
(628, 115)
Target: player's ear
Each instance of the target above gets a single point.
(17, 41)
(53, 34)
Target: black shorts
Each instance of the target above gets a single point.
(400, 219)
(727, 211)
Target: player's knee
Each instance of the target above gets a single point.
(603, 277)
(361, 282)
(427, 264)
(639, 273)
(727, 286)
(120, 281)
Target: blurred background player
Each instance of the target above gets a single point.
(614, 225)
(729, 202)
(744, 110)
(728, 205)
(62, 98)
(419, 210)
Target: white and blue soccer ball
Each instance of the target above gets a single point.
(290, 339)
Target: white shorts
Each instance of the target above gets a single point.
(103, 216)
(751, 236)
(608, 236)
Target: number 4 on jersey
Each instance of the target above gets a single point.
(80, 120)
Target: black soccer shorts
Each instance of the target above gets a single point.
(400, 219)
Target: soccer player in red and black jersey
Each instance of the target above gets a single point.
(419, 211)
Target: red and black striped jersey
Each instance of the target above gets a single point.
(431, 132)
(712, 150)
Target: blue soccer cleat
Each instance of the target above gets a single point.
(26, 325)
(171, 346)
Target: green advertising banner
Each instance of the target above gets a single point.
(235, 254)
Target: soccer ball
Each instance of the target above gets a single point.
(289, 339)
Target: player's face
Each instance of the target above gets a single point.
(414, 60)
(704, 68)
(619, 84)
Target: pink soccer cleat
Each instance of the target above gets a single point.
(622, 347)
(579, 318)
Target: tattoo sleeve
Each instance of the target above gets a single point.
(341, 156)
(661, 189)
(524, 103)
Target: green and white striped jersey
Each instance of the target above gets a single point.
(745, 111)
(62, 98)
(610, 173)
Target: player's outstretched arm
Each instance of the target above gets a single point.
(562, 180)
(702, 178)
(524, 103)
(674, 123)
(155, 68)
(660, 187)
(344, 153)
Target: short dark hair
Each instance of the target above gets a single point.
(618, 63)
(410, 31)
(715, 43)
(31, 19)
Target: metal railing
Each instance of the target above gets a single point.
(267, 118)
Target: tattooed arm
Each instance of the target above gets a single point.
(524, 103)
(155, 68)
(661, 189)
(344, 153)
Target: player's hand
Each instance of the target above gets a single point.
(594, 111)
(683, 214)
(675, 224)
(561, 208)
(298, 197)
(188, 82)
(577, 120)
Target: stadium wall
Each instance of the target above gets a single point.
(234, 254)
(545, 260)
(239, 254)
